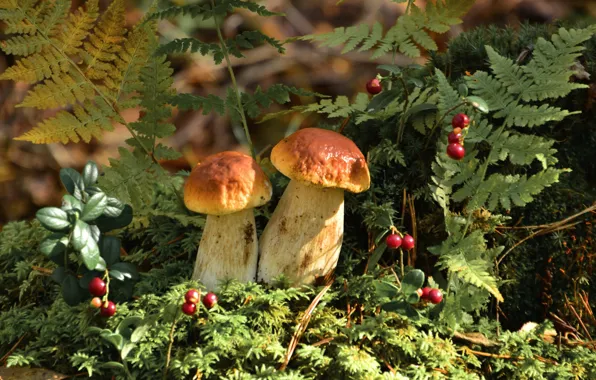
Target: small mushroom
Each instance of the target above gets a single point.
(227, 186)
(303, 238)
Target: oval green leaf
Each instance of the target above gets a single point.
(90, 173)
(80, 235)
(412, 281)
(94, 207)
(90, 254)
(478, 103)
(53, 218)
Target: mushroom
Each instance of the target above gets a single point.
(303, 238)
(227, 186)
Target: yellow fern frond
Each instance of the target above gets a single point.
(90, 66)
(87, 122)
(37, 67)
(60, 91)
(77, 28)
(105, 42)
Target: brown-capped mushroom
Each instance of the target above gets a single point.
(303, 238)
(227, 186)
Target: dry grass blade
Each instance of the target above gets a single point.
(303, 325)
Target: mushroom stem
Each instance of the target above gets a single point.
(228, 249)
(304, 235)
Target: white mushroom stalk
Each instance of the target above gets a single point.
(227, 186)
(304, 236)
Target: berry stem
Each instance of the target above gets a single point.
(170, 344)
(224, 50)
(438, 123)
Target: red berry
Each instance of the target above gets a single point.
(456, 151)
(407, 242)
(425, 293)
(457, 130)
(209, 300)
(96, 302)
(454, 138)
(461, 120)
(435, 296)
(189, 308)
(97, 287)
(108, 310)
(393, 241)
(192, 296)
(373, 86)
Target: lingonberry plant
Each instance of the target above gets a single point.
(389, 310)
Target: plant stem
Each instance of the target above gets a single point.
(410, 2)
(402, 119)
(171, 337)
(224, 49)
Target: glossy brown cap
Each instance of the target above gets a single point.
(323, 158)
(225, 183)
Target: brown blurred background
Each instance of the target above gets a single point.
(29, 173)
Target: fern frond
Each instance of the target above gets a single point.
(61, 91)
(510, 189)
(130, 177)
(105, 42)
(532, 116)
(523, 149)
(261, 99)
(87, 121)
(386, 153)
(407, 35)
(76, 29)
(491, 90)
(208, 104)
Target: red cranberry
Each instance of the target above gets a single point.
(425, 293)
(192, 296)
(189, 308)
(456, 151)
(407, 242)
(435, 296)
(108, 310)
(393, 241)
(373, 86)
(97, 287)
(210, 300)
(454, 138)
(461, 120)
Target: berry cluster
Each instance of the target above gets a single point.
(98, 288)
(434, 296)
(395, 240)
(192, 297)
(455, 149)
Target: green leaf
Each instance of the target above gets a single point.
(106, 224)
(114, 208)
(58, 275)
(94, 207)
(478, 103)
(401, 307)
(109, 246)
(116, 275)
(90, 254)
(140, 332)
(393, 69)
(71, 203)
(73, 182)
(70, 290)
(80, 235)
(379, 102)
(376, 255)
(412, 281)
(116, 339)
(95, 233)
(53, 218)
(90, 173)
(112, 365)
(126, 350)
(385, 289)
(101, 265)
(128, 270)
(413, 298)
(420, 108)
(462, 89)
(54, 244)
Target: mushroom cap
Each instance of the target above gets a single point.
(323, 158)
(225, 183)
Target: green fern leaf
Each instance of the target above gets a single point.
(208, 104)
(532, 116)
(522, 149)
